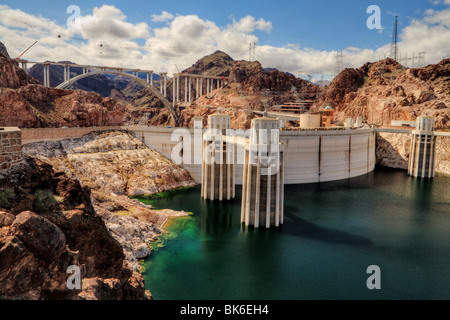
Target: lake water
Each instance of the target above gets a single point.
(332, 233)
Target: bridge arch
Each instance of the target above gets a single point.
(161, 97)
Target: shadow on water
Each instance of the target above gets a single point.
(300, 227)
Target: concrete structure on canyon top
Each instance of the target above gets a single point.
(10, 149)
(263, 182)
(263, 177)
(218, 176)
(423, 145)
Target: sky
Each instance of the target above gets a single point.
(301, 37)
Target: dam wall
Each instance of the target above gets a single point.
(310, 156)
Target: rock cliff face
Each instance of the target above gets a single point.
(240, 118)
(250, 87)
(37, 106)
(280, 86)
(43, 233)
(114, 162)
(12, 76)
(217, 64)
(115, 165)
(385, 91)
(393, 151)
(3, 50)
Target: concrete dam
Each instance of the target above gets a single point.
(309, 156)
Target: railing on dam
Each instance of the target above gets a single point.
(54, 134)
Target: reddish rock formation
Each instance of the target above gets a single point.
(217, 64)
(25, 103)
(37, 248)
(249, 87)
(385, 91)
(11, 76)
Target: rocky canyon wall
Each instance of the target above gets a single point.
(392, 150)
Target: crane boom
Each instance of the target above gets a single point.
(26, 50)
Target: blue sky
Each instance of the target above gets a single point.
(315, 27)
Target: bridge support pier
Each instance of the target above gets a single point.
(150, 78)
(196, 89)
(211, 88)
(422, 152)
(178, 88)
(24, 67)
(66, 73)
(201, 86)
(165, 84)
(190, 90)
(174, 91)
(46, 75)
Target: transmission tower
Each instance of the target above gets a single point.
(339, 63)
(252, 52)
(421, 59)
(403, 60)
(394, 45)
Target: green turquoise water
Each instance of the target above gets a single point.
(332, 232)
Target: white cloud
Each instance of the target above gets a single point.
(249, 24)
(109, 22)
(163, 17)
(430, 35)
(106, 37)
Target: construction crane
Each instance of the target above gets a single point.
(178, 69)
(26, 50)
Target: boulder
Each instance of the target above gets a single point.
(41, 237)
(6, 219)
